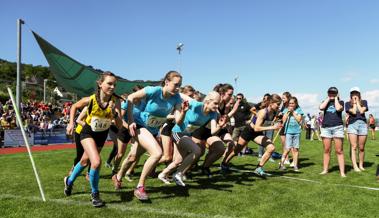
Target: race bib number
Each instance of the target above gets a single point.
(99, 124)
(191, 128)
(155, 122)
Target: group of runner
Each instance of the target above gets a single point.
(174, 127)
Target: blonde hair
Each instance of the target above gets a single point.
(212, 96)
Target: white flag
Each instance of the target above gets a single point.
(59, 93)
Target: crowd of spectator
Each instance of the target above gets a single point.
(37, 116)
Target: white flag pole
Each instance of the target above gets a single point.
(26, 143)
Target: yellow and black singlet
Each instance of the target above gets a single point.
(98, 118)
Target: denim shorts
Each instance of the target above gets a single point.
(359, 127)
(332, 132)
(292, 141)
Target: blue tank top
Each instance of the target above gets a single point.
(153, 116)
(194, 119)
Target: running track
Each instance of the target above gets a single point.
(38, 148)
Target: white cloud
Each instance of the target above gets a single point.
(374, 81)
(309, 102)
(255, 99)
(348, 77)
(372, 98)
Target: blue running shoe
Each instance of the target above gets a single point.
(260, 172)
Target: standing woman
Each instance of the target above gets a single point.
(357, 129)
(285, 99)
(102, 108)
(332, 129)
(160, 101)
(292, 118)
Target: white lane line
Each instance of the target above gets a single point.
(300, 179)
(357, 186)
(312, 181)
(122, 207)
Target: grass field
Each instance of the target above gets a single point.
(240, 194)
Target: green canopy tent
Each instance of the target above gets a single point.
(76, 77)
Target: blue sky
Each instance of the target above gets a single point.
(272, 46)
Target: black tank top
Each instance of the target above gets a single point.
(266, 118)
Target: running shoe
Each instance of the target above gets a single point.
(178, 179)
(163, 178)
(287, 162)
(67, 188)
(260, 172)
(224, 168)
(282, 167)
(128, 177)
(206, 171)
(116, 182)
(96, 201)
(296, 169)
(108, 165)
(141, 194)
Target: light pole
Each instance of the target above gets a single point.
(179, 48)
(44, 90)
(18, 83)
(235, 82)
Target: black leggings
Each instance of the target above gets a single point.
(79, 148)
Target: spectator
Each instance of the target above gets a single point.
(241, 117)
(357, 129)
(372, 125)
(332, 129)
(314, 128)
(307, 121)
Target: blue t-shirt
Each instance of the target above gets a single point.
(136, 109)
(358, 116)
(332, 117)
(157, 108)
(292, 126)
(194, 118)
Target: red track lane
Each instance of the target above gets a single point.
(40, 148)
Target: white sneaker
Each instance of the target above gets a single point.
(108, 165)
(287, 162)
(163, 178)
(178, 179)
(128, 177)
(292, 164)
